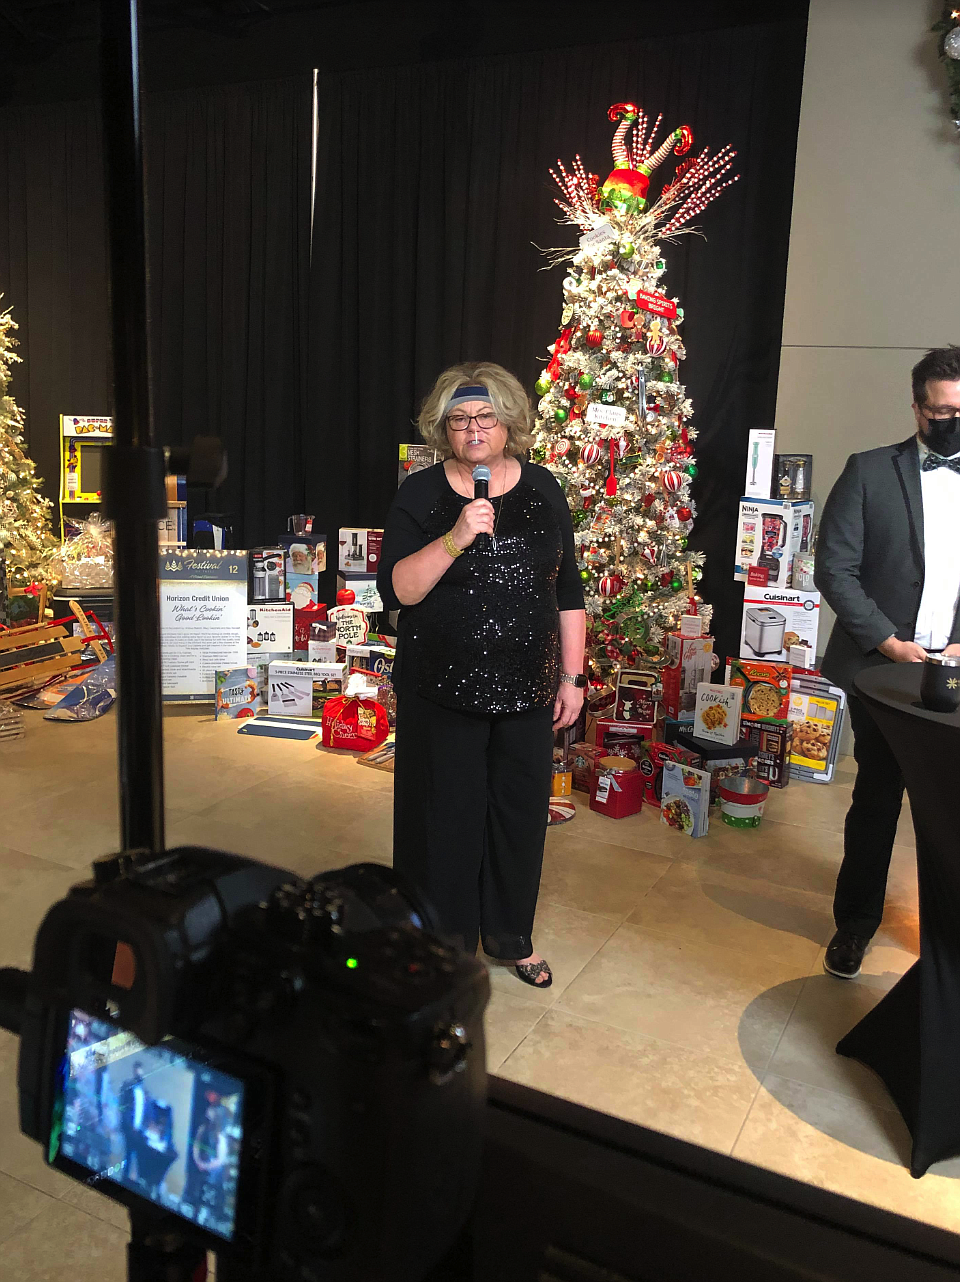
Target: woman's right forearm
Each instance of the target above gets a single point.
(419, 573)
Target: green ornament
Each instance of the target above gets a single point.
(585, 381)
(627, 249)
(607, 397)
(543, 384)
(683, 544)
(651, 649)
(666, 377)
(679, 313)
(647, 585)
(585, 576)
(691, 470)
(676, 584)
(561, 415)
(660, 264)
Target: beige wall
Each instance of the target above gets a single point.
(873, 275)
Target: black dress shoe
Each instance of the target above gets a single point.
(844, 954)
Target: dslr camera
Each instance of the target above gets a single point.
(287, 1072)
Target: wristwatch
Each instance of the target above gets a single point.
(574, 679)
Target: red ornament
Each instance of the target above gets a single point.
(561, 446)
(627, 318)
(611, 585)
(656, 345)
(671, 481)
(590, 453)
(570, 392)
(595, 338)
(649, 500)
(622, 445)
(346, 596)
(684, 513)
(612, 652)
(666, 579)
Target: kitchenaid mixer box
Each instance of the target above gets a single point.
(770, 533)
(775, 620)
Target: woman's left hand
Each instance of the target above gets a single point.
(567, 707)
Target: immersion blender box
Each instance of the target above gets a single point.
(690, 661)
(775, 619)
(770, 533)
(760, 455)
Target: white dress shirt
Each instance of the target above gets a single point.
(940, 490)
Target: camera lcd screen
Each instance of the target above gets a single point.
(152, 1120)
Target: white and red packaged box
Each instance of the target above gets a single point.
(359, 548)
(690, 661)
(623, 738)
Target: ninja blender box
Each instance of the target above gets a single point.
(770, 533)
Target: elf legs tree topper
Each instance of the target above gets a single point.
(613, 419)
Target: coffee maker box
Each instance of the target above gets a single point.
(360, 549)
(775, 622)
(690, 661)
(770, 533)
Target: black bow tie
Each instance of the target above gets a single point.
(933, 461)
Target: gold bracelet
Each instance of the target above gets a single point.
(449, 546)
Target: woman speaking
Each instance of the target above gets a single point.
(489, 662)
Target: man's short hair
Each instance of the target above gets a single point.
(941, 364)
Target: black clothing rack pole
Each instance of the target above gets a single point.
(135, 498)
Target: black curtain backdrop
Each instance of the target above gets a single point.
(53, 265)
(228, 186)
(432, 193)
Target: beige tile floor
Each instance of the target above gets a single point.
(688, 993)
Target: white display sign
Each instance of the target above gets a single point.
(606, 415)
(203, 620)
(600, 235)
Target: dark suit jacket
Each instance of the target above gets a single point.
(870, 560)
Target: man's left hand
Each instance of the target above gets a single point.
(567, 707)
(952, 649)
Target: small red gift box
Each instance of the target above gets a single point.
(315, 612)
(357, 724)
(617, 788)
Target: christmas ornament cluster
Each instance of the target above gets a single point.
(613, 419)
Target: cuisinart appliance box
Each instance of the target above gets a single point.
(763, 629)
(774, 621)
(770, 533)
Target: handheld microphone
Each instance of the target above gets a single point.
(481, 490)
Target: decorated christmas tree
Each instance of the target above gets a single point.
(26, 537)
(613, 419)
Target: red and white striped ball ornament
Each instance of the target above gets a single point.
(590, 453)
(671, 481)
(656, 345)
(621, 445)
(611, 585)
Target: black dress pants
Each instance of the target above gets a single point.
(471, 794)
(870, 828)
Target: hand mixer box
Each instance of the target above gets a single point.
(770, 533)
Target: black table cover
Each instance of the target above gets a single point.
(912, 1038)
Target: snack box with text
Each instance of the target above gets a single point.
(583, 758)
(717, 715)
(371, 658)
(766, 688)
(690, 661)
(685, 800)
(623, 738)
(638, 693)
(301, 689)
(773, 740)
(651, 767)
(720, 760)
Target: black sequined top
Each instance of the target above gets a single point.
(486, 638)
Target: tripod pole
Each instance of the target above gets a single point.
(157, 1252)
(135, 498)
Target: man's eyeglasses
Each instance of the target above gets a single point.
(486, 420)
(940, 413)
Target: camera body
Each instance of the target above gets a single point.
(302, 1060)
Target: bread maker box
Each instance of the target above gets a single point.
(763, 629)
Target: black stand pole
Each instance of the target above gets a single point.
(135, 498)
(157, 1252)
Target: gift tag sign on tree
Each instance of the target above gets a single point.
(617, 362)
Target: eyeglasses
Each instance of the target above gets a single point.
(940, 413)
(486, 420)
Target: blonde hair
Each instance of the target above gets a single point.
(510, 401)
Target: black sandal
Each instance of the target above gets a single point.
(530, 972)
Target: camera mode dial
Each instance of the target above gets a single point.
(448, 1052)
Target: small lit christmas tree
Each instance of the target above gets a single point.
(26, 537)
(613, 419)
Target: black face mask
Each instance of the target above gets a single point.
(942, 435)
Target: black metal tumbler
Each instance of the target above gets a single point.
(940, 683)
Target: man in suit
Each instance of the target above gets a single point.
(134, 1101)
(888, 564)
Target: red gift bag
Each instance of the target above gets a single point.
(350, 722)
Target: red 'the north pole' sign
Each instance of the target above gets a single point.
(659, 304)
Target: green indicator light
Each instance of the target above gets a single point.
(352, 963)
